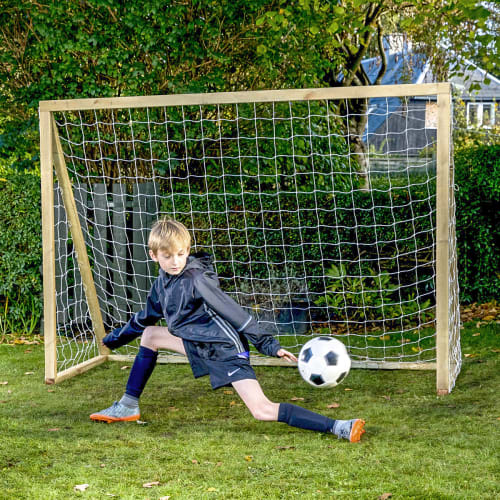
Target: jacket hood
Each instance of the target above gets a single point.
(200, 260)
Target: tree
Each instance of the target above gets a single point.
(103, 48)
(98, 48)
(342, 34)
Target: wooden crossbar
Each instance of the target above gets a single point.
(247, 97)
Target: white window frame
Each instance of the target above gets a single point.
(480, 107)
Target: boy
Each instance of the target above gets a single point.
(211, 329)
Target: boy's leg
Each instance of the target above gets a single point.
(262, 408)
(153, 338)
(127, 409)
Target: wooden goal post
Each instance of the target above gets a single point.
(53, 161)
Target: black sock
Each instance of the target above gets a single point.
(143, 366)
(297, 416)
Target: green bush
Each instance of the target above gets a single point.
(478, 234)
(477, 176)
(20, 250)
(388, 245)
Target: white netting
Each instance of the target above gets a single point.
(315, 229)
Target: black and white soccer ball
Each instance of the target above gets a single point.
(324, 362)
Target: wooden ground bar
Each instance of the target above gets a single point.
(77, 370)
(261, 361)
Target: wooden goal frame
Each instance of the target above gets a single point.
(52, 160)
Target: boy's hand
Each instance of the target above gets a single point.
(282, 353)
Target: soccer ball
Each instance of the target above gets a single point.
(324, 362)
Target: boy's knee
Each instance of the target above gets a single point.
(148, 336)
(265, 412)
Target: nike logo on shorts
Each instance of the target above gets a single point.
(230, 374)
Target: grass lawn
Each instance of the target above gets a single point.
(200, 444)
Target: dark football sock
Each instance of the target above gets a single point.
(143, 366)
(297, 416)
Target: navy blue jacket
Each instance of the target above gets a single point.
(196, 309)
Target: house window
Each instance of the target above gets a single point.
(481, 114)
(431, 114)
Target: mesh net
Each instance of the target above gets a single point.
(315, 228)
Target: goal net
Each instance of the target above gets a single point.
(327, 212)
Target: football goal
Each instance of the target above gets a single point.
(327, 211)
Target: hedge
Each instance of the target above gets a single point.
(477, 177)
(20, 250)
(478, 232)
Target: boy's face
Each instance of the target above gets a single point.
(171, 262)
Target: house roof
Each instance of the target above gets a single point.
(474, 74)
(406, 66)
(401, 68)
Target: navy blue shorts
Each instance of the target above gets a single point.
(222, 373)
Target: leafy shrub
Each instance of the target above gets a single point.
(373, 298)
(477, 176)
(20, 250)
(388, 245)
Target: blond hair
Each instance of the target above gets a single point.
(168, 235)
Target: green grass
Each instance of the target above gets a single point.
(200, 443)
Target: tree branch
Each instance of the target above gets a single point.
(355, 63)
(383, 55)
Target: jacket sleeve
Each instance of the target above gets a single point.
(149, 316)
(207, 286)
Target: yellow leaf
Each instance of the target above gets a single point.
(211, 489)
(228, 392)
(151, 484)
(296, 399)
(348, 389)
(476, 334)
(248, 458)
(384, 337)
(81, 487)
